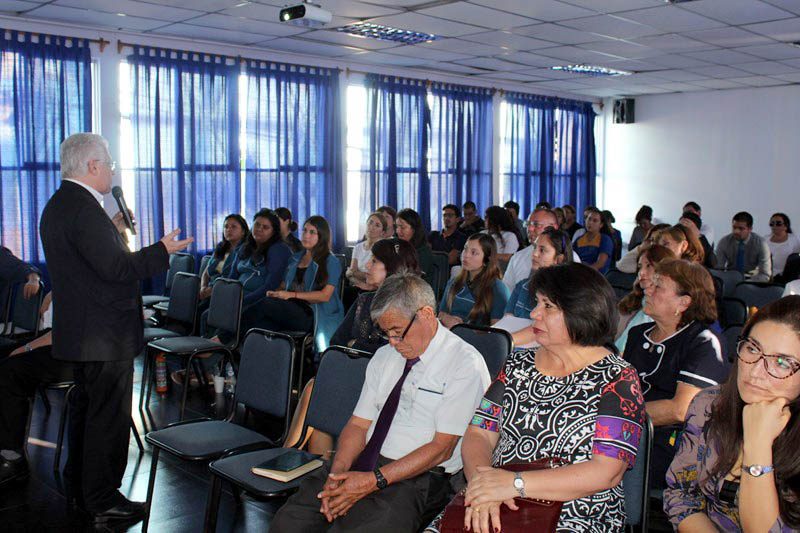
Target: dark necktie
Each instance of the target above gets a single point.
(368, 459)
(740, 257)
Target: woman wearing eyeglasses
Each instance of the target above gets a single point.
(677, 355)
(781, 241)
(737, 466)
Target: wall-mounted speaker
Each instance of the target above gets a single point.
(624, 111)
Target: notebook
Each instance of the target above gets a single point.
(288, 466)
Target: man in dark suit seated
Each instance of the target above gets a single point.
(97, 321)
(14, 270)
(396, 454)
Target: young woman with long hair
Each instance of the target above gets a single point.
(500, 227)
(288, 227)
(235, 231)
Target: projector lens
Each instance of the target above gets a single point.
(286, 16)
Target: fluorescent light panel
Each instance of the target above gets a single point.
(592, 70)
(387, 33)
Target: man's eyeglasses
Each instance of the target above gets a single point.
(529, 224)
(778, 366)
(399, 338)
(112, 165)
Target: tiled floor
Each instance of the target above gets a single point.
(180, 491)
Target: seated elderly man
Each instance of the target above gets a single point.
(395, 456)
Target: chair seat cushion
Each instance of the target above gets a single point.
(185, 345)
(152, 299)
(204, 439)
(151, 334)
(236, 469)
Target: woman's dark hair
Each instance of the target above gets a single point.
(224, 246)
(396, 254)
(388, 210)
(498, 220)
(482, 285)
(694, 281)
(592, 210)
(585, 297)
(251, 248)
(694, 250)
(644, 213)
(284, 214)
(724, 430)
(609, 216)
(786, 222)
(413, 219)
(321, 251)
(632, 301)
(560, 241)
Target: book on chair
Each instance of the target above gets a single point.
(288, 466)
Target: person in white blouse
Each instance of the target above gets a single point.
(781, 241)
(501, 228)
(357, 273)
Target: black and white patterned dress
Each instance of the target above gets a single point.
(597, 410)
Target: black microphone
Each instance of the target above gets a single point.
(116, 192)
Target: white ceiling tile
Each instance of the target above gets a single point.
(758, 81)
(546, 10)
(787, 30)
(458, 69)
(563, 85)
(766, 68)
(348, 39)
(793, 77)
(461, 46)
(576, 55)
(728, 36)
(15, 6)
(722, 57)
(778, 51)
(491, 63)
(737, 12)
(95, 18)
(600, 93)
(136, 9)
(718, 84)
(508, 40)
(398, 3)
(553, 74)
(788, 5)
(421, 50)
(200, 5)
(615, 6)
(677, 61)
(794, 63)
(426, 24)
(635, 65)
(679, 87)
(529, 59)
(611, 26)
(719, 71)
(477, 15)
(671, 18)
(510, 76)
(300, 46)
(678, 75)
(379, 58)
(254, 27)
(556, 34)
(210, 34)
(673, 42)
(621, 48)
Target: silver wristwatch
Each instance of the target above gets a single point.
(757, 470)
(519, 484)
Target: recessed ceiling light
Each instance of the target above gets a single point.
(386, 33)
(242, 4)
(592, 70)
(121, 15)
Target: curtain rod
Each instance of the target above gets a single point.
(102, 43)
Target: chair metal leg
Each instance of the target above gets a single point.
(136, 436)
(145, 378)
(237, 494)
(212, 505)
(300, 366)
(186, 380)
(31, 402)
(151, 377)
(61, 424)
(150, 485)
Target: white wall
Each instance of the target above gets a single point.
(729, 151)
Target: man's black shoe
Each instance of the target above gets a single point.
(125, 511)
(13, 468)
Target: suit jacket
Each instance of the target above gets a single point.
(12, 270)
(97, 312)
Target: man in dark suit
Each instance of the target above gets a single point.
(97, 321)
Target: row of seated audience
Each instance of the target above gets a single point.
(671, 367)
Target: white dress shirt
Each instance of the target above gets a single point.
(519, 267)
(97, 195)
(439, 395)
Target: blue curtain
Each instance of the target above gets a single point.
(294, 145)
(187, 169)
(461, 148)
(395, 170)
(45, 96)
(550, 150)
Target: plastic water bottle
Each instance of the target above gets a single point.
(161, 374)
(230, 379)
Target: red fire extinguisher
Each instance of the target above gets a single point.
(161, 374)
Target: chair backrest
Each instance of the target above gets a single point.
(757, 295)
(441, 273)
(734, 312)
(730, 336)
(636, 481)
(183, 299)
(178, 262)
(343, 263)
(225, 308)
(729, 280)
(25, 311)
(493, 344)
(791, 271)
(620, 279)
(336, 389)
(204, 264)
(264, 381)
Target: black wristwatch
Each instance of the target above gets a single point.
(382, 483)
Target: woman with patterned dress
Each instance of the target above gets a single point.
(737, 466)
(571, 398)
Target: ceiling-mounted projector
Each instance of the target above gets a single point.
(305, 14)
